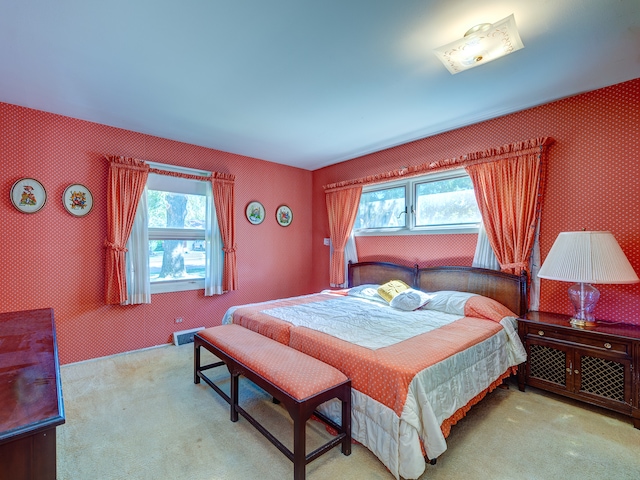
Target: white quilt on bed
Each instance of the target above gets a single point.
(368, 324)
(435, 393)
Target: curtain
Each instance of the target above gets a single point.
(534, 285)
(127, 178)
(350, 256)
(484, 256)
(508, 181)
(137, 256)
(507, 192)
(223, 195)
(342, 207)
(215, 255)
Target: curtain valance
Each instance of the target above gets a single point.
(534, 145)
(141, 165)
(213, 175)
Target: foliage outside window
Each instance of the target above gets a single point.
(177, 210)
(436, 203)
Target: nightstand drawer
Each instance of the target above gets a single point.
(578, 337)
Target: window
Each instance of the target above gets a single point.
(177, 210)
(176, 233)
(435, 203)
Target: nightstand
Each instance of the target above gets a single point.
(598, 365)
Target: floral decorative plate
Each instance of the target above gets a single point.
(284, 215)
(255, 213)
(28, 195)
(77, 199)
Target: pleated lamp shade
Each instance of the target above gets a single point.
(587, 257)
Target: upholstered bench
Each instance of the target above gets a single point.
(300, 382)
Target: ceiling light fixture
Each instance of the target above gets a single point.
(481, 44)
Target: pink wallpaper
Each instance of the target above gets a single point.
(52, 259)
(408, 249)
(593, 182)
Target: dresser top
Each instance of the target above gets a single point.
(30, 390)
(618, 329)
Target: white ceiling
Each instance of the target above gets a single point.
(298, 82)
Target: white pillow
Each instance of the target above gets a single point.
(410, 299)
(367, 291)
(447, 301)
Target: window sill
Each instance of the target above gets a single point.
(177, 286)
(392, 232)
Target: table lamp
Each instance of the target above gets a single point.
(586, 258)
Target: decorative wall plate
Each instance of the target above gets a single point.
(77, 199)
(255, 213)
(284, 215)
(28, 195)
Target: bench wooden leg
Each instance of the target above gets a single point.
(196, 362)
(346, 422)
(234, 397)
(299, 447)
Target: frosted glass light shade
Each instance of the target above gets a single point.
(480, 45)
(587, 257)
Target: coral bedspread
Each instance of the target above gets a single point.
(414, 373)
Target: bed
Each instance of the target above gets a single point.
(419, 357)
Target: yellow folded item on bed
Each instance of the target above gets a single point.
(391, 289)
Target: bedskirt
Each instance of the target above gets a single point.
(438, 397)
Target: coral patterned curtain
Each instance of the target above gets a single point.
(507, 181)
(223, 197)
(508, 196)
(342, 207)
(127, 179)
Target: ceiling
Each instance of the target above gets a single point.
(302, 83)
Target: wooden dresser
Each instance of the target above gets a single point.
(599, 365)
(31, 404)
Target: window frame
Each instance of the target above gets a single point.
(168, 183)
(410, 227)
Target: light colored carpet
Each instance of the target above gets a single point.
(140, 416)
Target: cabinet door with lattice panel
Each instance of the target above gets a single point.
(549, 363)
(604, 379)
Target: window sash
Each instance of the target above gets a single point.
(410, 225)
(156, 233)
(444, 200)
(138, 257)
(393, 208)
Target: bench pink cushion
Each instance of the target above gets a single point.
(300, 375)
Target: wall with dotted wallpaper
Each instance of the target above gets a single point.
(593, 182)
(53, 259)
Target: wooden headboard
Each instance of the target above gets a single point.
(510, 290)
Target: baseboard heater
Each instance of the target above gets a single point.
(185, 336)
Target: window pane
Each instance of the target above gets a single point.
(176, 260)
(172, 258)
(382, 208)
(446, 202)
(177, 210)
